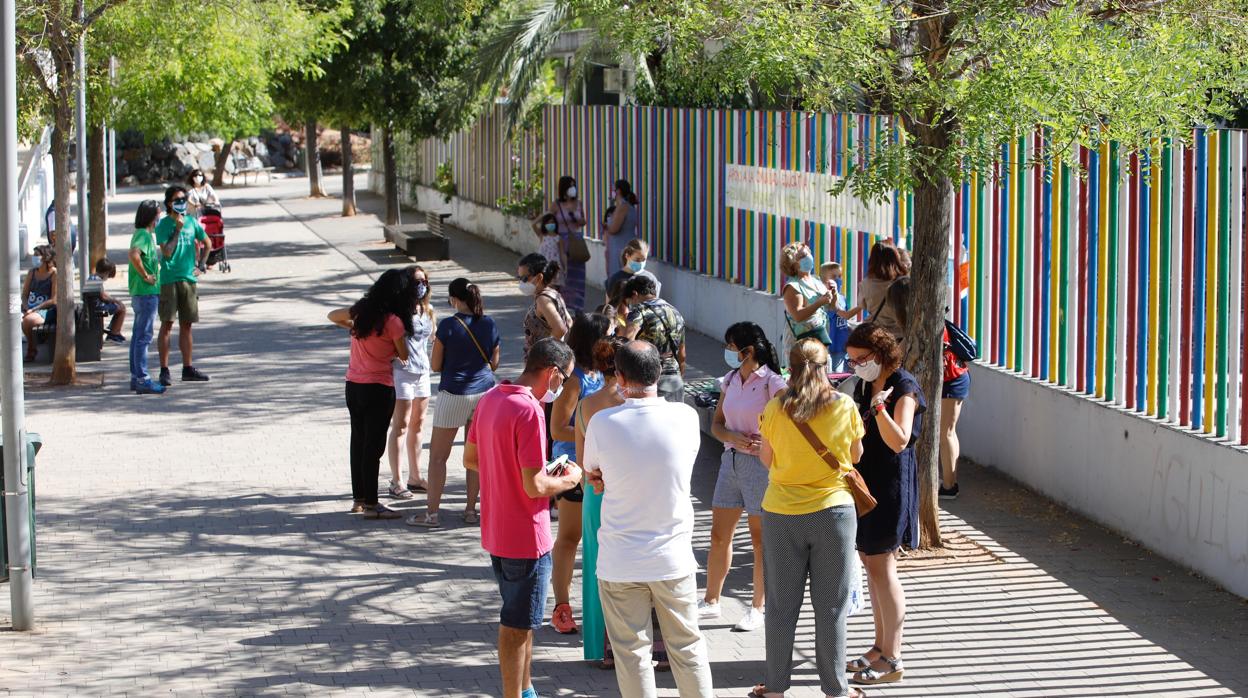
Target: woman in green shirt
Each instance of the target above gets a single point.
(144, 282)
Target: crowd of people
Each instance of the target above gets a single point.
(595, 435)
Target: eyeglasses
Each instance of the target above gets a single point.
(563, 376)
(854, 363)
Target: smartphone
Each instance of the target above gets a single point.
(558, 466)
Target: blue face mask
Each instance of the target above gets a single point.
(732, 357)
(179, 207)
(636, 266)
(550, 227)
(806, 264)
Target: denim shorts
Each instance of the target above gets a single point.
(522, 583)
(741, 484)
(958, 388)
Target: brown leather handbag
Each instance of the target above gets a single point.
(863, 501)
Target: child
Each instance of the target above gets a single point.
(108, 305)
(547, 230)
(838, 326)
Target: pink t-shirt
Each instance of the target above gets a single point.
(370, 356)
(509, 429)
(744, 402)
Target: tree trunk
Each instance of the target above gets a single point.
(348, 174)
(928, 298)
(223, 157)
(64, 369)
(391, 177)
(97, 192)
(313, 159)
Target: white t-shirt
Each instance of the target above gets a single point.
(645, 449)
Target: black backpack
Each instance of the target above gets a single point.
(960, 343)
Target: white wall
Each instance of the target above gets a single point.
(1179, 494)
(708, 305)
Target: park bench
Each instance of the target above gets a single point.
(422, 241)
(245, 166)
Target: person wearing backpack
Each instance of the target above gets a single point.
(885, 265)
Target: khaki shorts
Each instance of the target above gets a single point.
(181, 297)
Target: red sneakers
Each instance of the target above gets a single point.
(561, 619)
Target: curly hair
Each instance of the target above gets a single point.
(604, 354)
(879, 341)
(391, 294)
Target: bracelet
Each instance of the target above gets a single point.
(879, 408)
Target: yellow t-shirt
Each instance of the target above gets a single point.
(800, 481)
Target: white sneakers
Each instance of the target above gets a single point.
(752, 620)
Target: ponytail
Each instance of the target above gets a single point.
(635, 245)
(747, 334)
(538, 264)
(466, 292)
(626, 191)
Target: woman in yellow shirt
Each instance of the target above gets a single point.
(809, 522)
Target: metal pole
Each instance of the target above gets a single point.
(13, 417)
(84, 254)
(112, 135)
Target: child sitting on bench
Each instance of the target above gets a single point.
(108, 305)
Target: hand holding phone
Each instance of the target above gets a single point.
(557, 467)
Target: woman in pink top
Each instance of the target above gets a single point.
(742, 481)
(380, 323)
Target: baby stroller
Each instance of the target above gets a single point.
(215, 227)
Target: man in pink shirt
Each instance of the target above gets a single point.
(507, 446)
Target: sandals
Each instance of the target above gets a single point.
(760, 691)
(422, 488)
(863, 662)
(470, 517)
(399, 491)
(357, 507)
(429, 520)
(871, 676)
(380, 511)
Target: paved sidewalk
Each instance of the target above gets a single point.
(197, 542)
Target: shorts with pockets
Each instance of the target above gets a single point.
(179, 298)
(451, 411)
(522, 583)
(741, 484)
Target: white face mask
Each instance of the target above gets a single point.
(868, 370)
(527, 288)
(571, 192)
(552, 395)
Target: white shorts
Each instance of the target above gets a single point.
(410, 386)
(452, 411)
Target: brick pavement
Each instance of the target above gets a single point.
(196, 543)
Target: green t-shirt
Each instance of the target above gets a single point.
(149, 253)
(180, 266)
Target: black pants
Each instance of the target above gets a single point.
(371, 406)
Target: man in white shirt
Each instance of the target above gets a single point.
(640, 456)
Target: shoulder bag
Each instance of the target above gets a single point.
(481, 349)
(578, 249)
(864, 502)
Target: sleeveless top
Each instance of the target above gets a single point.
(810, 289)
(590, 384)
(40, 290)
(535, 327)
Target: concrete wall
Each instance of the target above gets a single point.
(708, 305)
(1179, 494)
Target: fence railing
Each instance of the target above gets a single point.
(34, 193)
(1121, 278)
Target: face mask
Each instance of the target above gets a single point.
(179, 207)
(571, 192)
(868, 370)
(199, 180)
(806, 264)
(552, 395)
(732, 358)
(636, 267)
(550, 227)
(422, 290)
(528, 288)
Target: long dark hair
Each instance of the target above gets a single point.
(745, 335)
(586, 332)
(190, 177)
(626, 191)
(538, 264)
(466, 292)
(565, 182)
(391, 294)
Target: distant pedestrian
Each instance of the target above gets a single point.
(640, 457)
(181, 257)
(548, 316)
(744, 392)
(39, 297)
(200, 194)
(586, 332)
(144, 283)
(570, 221)
(654, 320)
(411, 393)
(809, 519)
(621, 227)
(380, 323)
(465, 353)
(804, 296)
(507, 446)
(633, 258)
(892, 405)
(885, 265)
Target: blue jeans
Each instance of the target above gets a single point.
(141, 337)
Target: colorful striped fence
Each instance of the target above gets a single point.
(1121, 278)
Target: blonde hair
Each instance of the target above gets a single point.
(829, 266)
(635, 245)
(789, 256)
(809, 391)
